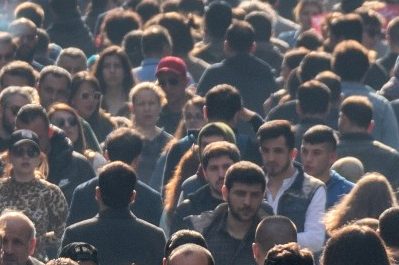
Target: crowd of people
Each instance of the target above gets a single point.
(201, 132)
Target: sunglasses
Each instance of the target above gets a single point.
(170, 81)
(87, 95)
(31, 151)
(61, 123)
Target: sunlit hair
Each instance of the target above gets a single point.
(370, 197)
(148, 86)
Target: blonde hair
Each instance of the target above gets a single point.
(148, 86)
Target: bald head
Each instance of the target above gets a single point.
(190, 254)
(14, 218)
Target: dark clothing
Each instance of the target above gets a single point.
(33, 261)
(120, 238)
(295, 200)
(148, 204)
(67, 168)
(193, 183)
(225, 249)
(91, 139)
(210, 52)
(251, 76)
(270, 54)
(101, 125)
(197, 202)
(169, 120)
(72, 32)
(374, 155)
(379, 72)
(337, 187)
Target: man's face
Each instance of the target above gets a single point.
(10, 111)
(72, 64)
(215, 172)
(17, 244)
(276, 156)
(244, 200)
(173, 85)
(317, 159)
(40, 127)
(25, 36)
(53, 89)
(7, 53)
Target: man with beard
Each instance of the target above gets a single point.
(289, 190)
(229, 230)
(11, 100)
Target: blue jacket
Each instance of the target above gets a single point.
(337, 186)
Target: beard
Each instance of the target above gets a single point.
(243, 214)
(273, 171)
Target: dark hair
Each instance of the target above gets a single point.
(358, 109)
(293, 83)
(223, 102)
(310, 40)
(154, 40)
(21, 69)
(333, 82)
(347, 27)
(388, 227)
(31, 11)
(261, 22)
(118, 22)
(182, 237)
(355, 53)
(131, 44)
(218, 149)
(294, 57)
(147, 9)
(289, 254)
(393, 31)
(43, 40)
(313, 97)
(192, 6)
(240, 36)
(372, 21)
(321, 134)
(57, 72)
(64, 8)
(314, 63)
(123, 144)
(274, 129)
(116, 182)
(245, 172)
(80, 78)
(355, 245)
(218, 17)
(31, 112)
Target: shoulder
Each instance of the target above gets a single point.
(88, 185)
(143, 188)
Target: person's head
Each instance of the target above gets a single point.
(85, 95)
(392, 33)
(116, 184)
(193, 113)
(190, 253)
(19, 238)
(223, 102)
(349, 167)
(290, 253)
(213, 132)
(11, 100)
(313, 99)
(117, 22)
(61, 8)
(218, 17)
(318, 151)
(243, 189)
(291, 60)
(7, 48)
(370, 197)
(123, 144)
(262, 23)
(24, 33)
(216, 158)
(54, 85)
(182, 237)
(314, 63)
(372, 26)
(355, 245)
(72, 59)
(63, 261)
(31, 11)
(305, 10)
(112, 69)
(147, 9)
(34, 117)
(387, 228)
(17, 73)
(333, 82)
(345, 27)
(156, 42)
(147, 100)
(131, 44)
(356, 113)
(277, 146)
(192, 6)
(171, 75)
(271, 231)
(81, 252)
(310, 40)
(350, 51)
(240, 38)
(66, 118)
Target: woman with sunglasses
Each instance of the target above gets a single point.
(147, 100)
(23, 188)
(85, 98)
(66, 118)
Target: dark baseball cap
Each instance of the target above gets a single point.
(23, 136)
(80, 251)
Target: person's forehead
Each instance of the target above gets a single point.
(210, 139)
(5, 47)
(55, 80)
(255, 187)
(314, 147)
(279, 141)
(23, 28)
(163, 75)
(220, 159)
(14, 228)
(17, 99)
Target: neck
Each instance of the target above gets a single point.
(325, 177)
(237, 228)
(353, 130)
(177, 106)
(149, 132)
(275, 182)
(22, 178)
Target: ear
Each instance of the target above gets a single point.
(204, 172)
(255, 251)
(225, 193)
(133, 197)
(293, 154)
(252, 49)
(205, 112)
(164, 262)
(106, 156)
(98, 194)
(298, 109)
(371, 127)
(32, 246)
(131, 107)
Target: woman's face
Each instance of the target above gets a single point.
(86, 100)
(193, 117)
(25, 158)
(67, 122)
(113, 71)
(146, 108)
(308, 11)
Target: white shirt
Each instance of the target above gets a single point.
(313, 235)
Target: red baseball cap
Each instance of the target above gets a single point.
(172, 64)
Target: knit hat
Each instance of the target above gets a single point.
(217, 128)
